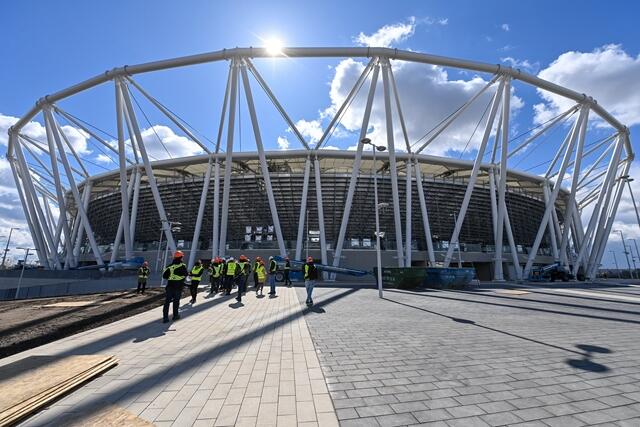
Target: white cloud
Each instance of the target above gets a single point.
(524, 64)
(283, 143)
(417, 84)
(311, 130)
(77, 137)
(388, 35)
(505, 27)
(102, 158)
(178, 146)
(608, 74)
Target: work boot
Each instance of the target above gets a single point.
(176, 317)
(165, 320)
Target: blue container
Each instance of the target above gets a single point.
(448, 278)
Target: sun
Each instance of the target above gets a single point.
(273, 46)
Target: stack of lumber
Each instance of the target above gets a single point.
(32, 383)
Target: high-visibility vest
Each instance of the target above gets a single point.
(244, 270)
(308, 271)
(172, 274)
(231, 268)
(217, 269)
(273, 266)
(196, 273)
(255, 266)
(262, 274)
(143, 273)
(287, 265)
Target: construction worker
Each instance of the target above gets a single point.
(261, 274)
(175, 274)
(243, 276)
(287, 270)
(273, 268)
(215, 274)
(143, 275)
(196, 277)
(230, 274)
(310, 277)
(256, 263)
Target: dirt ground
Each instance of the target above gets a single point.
(30, 323)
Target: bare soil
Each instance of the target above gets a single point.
(26, 324)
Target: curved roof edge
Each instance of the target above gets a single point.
(335, 154)
(309, 52)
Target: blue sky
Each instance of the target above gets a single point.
(51, 45)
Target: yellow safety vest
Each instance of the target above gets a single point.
(243, 267)
(261, 272)
(143, 273)
(231, 268)
(217, 270)
(172, 275)
(196, 270)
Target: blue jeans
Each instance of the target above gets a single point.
(309, 285)
(272, 284)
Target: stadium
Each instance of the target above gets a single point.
(433, 210)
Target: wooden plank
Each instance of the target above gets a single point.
(36, 402)
(111, 416)
(29, 384)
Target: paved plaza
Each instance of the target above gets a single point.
(529, 356)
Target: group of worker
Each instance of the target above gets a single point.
(224, 275)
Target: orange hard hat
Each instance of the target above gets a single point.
(178, 254)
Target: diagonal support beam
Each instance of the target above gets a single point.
(303, 208)
(263, 161)
(571, 139)
(276, 103)
(474, 174)
(52, 129)
(346, 102)
(393, 167)
(356, 169)
(198, 227)
(442, 127)
(128, 109)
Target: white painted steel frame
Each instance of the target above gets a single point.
(591, 243)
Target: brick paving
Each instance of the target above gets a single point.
(220, 365)
(549, 357)
(544, 358)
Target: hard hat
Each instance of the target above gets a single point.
(198, 261)
(145, 263)
(178, 254)
(309, 259)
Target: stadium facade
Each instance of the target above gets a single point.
(434, 210)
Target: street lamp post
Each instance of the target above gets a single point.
(626, 252)
(6, 249)
(26, 257)
(366, 141)
(633, 200)
(615, 260)
(637, 253)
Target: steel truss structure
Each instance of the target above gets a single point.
(576, 244)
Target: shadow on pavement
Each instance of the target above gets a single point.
(586, 364)
(471, 322)
(95, 402)
(438, 295)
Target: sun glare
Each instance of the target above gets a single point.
(273, 46)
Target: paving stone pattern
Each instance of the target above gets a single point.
(479, 358)
(220, 365)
